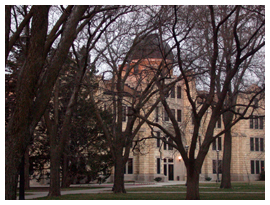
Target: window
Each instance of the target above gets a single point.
(252, 167)
(261, 144)
(256, 144)
(261, 122)
(165, 169)
(262, 166)
(170, 147)
(215, 166)
(179, 115)
(124, 108)
(157, 109)
(158, 140)
(251, 122)
(173, 92)
(256, 166)
(256, 123)
(219, 122)
(136, 69)
(166, 117)
(129, 166)
(192, 119)
(158, 165)
(130, 112)
(251, 144)
(256, 103)
(173, 112)
(179, 92)
(164, 144)
(217, 144)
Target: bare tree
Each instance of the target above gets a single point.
(195, 62)
(238, 85)
(243, 51)
(131, 89)
(32, 96)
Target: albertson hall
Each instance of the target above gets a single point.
(156, 159)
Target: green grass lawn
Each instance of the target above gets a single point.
(154, 196)
(207, 187)
(233, 194)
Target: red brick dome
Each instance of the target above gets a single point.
(152, 47)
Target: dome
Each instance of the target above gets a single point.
(151, 47)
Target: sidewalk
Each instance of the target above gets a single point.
(107, 188)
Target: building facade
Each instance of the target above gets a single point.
(157, 159)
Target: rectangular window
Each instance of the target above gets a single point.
(130, 112)
(215, 166)
(252, 167)
(165, 169)
(256, 144)
(219, 122)
(262, 166)
(192, 118)
(130, 166)
(261, 144)
(219, 143)
(164, 144)
(173, 92)
(251, 122)
(157, 109)
(124, 113)
(214, 147)
(158, 140)
(179, 92)
(257, 167)
(173, 112)
(261, 122)
(158, 165)
(166, 117)
(256, 122)
(170, 160)
(179, 115)
(251, 144)
(170, 147)
(136, 69)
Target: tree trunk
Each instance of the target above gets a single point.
(192, 183)
(22, 181)
(119, 186)
(227, 152)
(17, 131)
(65, 172)
(55, 173)
(26, 169)
(12, 180)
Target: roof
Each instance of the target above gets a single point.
(151, 47)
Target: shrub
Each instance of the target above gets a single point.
(262, 176)
(158, 179)
(208, 178)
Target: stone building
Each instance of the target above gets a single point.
(156, 159)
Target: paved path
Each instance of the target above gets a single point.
(107, 188)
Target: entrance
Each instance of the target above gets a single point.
(168, 165)
(171, 172)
